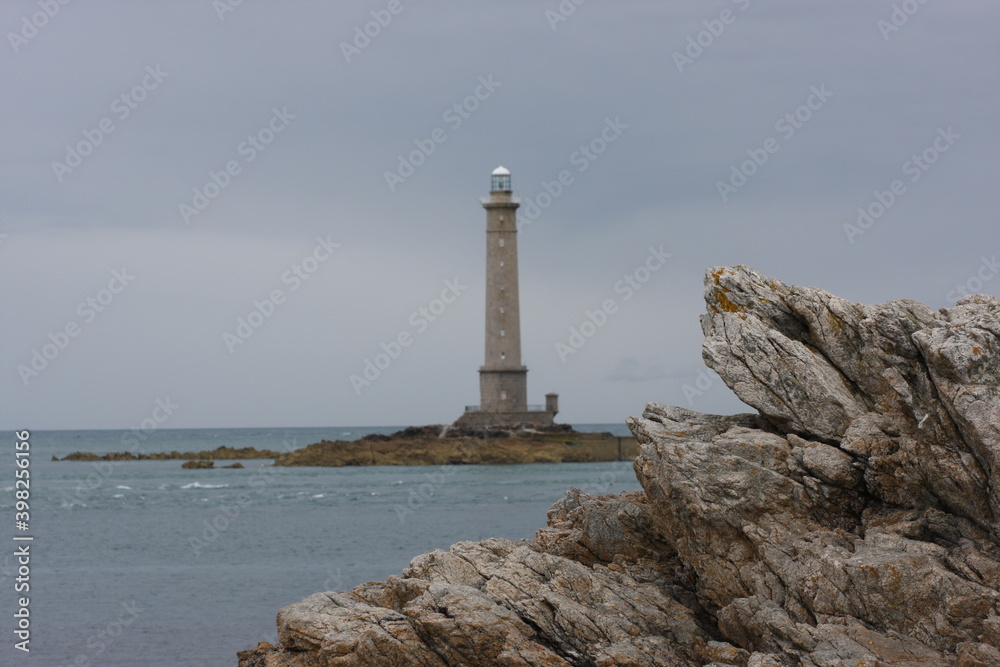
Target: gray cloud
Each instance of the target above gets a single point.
(324, 175)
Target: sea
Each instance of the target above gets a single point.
(143, 563)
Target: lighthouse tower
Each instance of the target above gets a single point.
(503, 379)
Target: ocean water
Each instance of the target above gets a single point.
(144, 563)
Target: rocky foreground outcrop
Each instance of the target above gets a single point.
(852, 521)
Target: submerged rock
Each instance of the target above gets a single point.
(852, 521)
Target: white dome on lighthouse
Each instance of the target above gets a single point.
(500, 180)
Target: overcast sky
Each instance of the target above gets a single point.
(106, 238)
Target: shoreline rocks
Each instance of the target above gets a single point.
(852, 521)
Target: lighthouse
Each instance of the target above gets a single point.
(503, 379)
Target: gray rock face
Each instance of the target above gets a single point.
(912, 393)
(852, 521)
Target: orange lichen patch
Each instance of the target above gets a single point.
(977, 351)
(835, 323)
(725, 304)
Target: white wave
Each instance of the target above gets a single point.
(199, 485)
(320, 495)
(124, 487)
(118, 495)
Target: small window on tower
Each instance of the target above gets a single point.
(501, 310)
(501, 217)
(502, 333)
(501, 265)
(501, 242)
(503, 396)
(503, 355)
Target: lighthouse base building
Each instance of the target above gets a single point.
(503, 381)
